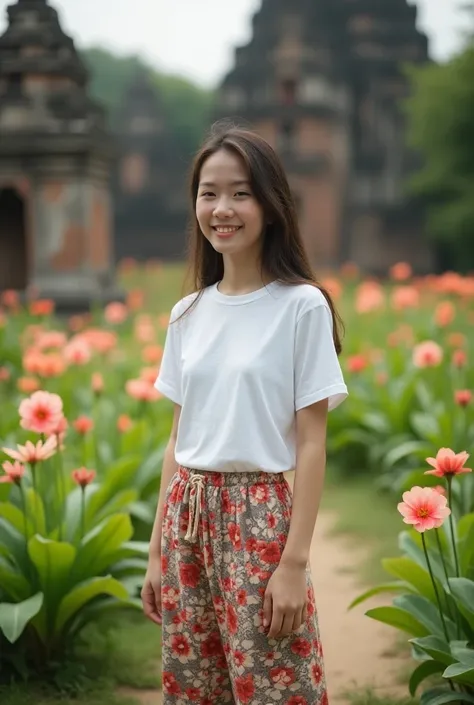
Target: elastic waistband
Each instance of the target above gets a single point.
(221, 479)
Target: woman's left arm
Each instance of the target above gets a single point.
(285, 597)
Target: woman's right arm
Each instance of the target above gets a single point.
(151, 591)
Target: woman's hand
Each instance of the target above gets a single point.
(151, 592)
(284, 605)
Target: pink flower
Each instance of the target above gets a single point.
(31, 453)
(13, 472)
(463, 397)
(97, 383)
(448, 463)
(77, 351)
(83, 476)
(83, 424)
(41, 412)
(424, 508)
(115, 312)
(427, 354)
(142, 390)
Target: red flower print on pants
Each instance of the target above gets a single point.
(271, 553)
(170, 684)
(189, 574)
(245, 688)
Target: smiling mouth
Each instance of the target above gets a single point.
(226, 229)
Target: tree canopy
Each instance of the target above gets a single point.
(441, 128)
(186, 106)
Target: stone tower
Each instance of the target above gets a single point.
(149, 183)
(55, 153)
(321, 80)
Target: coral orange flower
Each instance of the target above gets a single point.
(148, 374)
(77, 351)
(357, 363)
(135, 299)
(41, 412)
(83, 476)
(50, 339)
(163, 320)
(448, 463)
(83, 424)
(463, 397)
(124, 423)
(370, 296)
(424, 508)
(41, 307)
(444, 314)
(13, 472)
(4, 374)
(28, 385)
(115, 312)
(427, 354)
(31, 452)
(333, 286)
(142, 390)
(459, 358)
(152, 354)
(400, 271)
(97, 383)
(10, 298)
(405, 297)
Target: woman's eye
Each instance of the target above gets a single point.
(242, 193)
(207, 193)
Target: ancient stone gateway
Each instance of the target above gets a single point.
(55, 156)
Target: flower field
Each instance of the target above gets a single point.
(82, 433)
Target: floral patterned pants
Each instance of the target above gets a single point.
(223, 535)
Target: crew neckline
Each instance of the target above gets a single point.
(238, 299)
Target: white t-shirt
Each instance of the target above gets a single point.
(241, 367)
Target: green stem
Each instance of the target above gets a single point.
(451, 525)
(445, 569)
(62, 490)
(435, 587)
(83, 512)
(35, 499)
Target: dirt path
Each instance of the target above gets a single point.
(358, 651)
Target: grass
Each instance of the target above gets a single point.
(370, 697)
(368, 518)
(105, 661)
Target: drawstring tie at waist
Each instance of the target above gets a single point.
(193, 494)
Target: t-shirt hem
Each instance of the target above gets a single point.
(336, 394)
(169, 391)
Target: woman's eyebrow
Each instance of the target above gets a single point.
(232, 183)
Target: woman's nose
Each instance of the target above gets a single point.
(223, 208)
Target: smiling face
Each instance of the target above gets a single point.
(229, 215)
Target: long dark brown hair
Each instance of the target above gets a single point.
(284, 258)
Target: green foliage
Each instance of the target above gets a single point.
(442, 130)
(186, 106)
(436, 607)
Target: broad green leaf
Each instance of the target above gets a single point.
(73, 511)
(14, 543)
(398, 618)
(408, 545)
(143, 511)
(463, 591)
(425, 612)
(464, 525)
(460, 672)
(120, 475)
(35, 511)
(151, 468)
(15, 617)
(406, 569)
(53, 561)
(16, 518)
(466, 544)
(443, 696)
(425, 426)
(83, 593)
(99, 548)
(423, 671)
(13, 582)
(386, 587)
(437, 648)
(402, 451)
(121, 502)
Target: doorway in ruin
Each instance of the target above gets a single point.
(13, 249)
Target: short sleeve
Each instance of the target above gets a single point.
(318, 373)
(168, 381)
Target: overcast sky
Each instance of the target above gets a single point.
(196, 37)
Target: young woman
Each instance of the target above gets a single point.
(250, 362)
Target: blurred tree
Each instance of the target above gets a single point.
(441, 129)
(187, 106)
